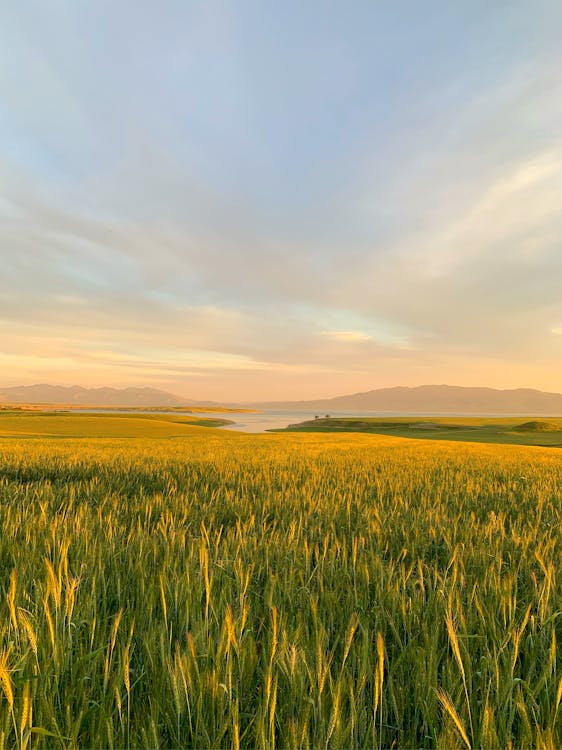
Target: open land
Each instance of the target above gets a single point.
(511, 430)
(168, 585)
(17, 407)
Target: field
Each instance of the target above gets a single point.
(165, 585)
(64, 424)
(508, 430)
(159, 410)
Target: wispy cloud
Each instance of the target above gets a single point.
(231, 199)
(344, 336)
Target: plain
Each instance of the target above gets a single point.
(180, 586)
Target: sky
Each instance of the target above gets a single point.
(253, 200)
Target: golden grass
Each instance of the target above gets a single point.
(295, 590)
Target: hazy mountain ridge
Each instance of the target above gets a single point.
(425, 399)
(438, 399)
(76, 395)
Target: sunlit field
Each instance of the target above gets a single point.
(165, 585)
(509, 430)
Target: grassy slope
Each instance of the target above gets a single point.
(83, 425)
(142, 409)
(469, 429)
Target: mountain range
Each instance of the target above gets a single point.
(438, 399)
(77, 396)
(424, 399)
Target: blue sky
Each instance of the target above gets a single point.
(254, 199)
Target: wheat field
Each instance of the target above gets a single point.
(221, 590)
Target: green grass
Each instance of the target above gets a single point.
(512, 430)
(537, 426)
(81, 408)
(226, 590)
(64, 424)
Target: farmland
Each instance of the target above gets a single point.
(508, 430)
(166, 585)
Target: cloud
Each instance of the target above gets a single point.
(197, 195)
(344, 336)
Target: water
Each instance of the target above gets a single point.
(268, 419)
(271, 419)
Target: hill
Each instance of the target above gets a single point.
(536, 427)
(56, 394)
(438, 399)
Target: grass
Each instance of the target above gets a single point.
(80, 425)
(82, 408)
(538, 426)
(215, 589)
(505, 430)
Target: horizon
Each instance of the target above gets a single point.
(232, 402)
(238, 203)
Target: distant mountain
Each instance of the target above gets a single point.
(438, 399)
(75, 395)
(424, 399)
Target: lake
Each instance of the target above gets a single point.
(268, 419)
